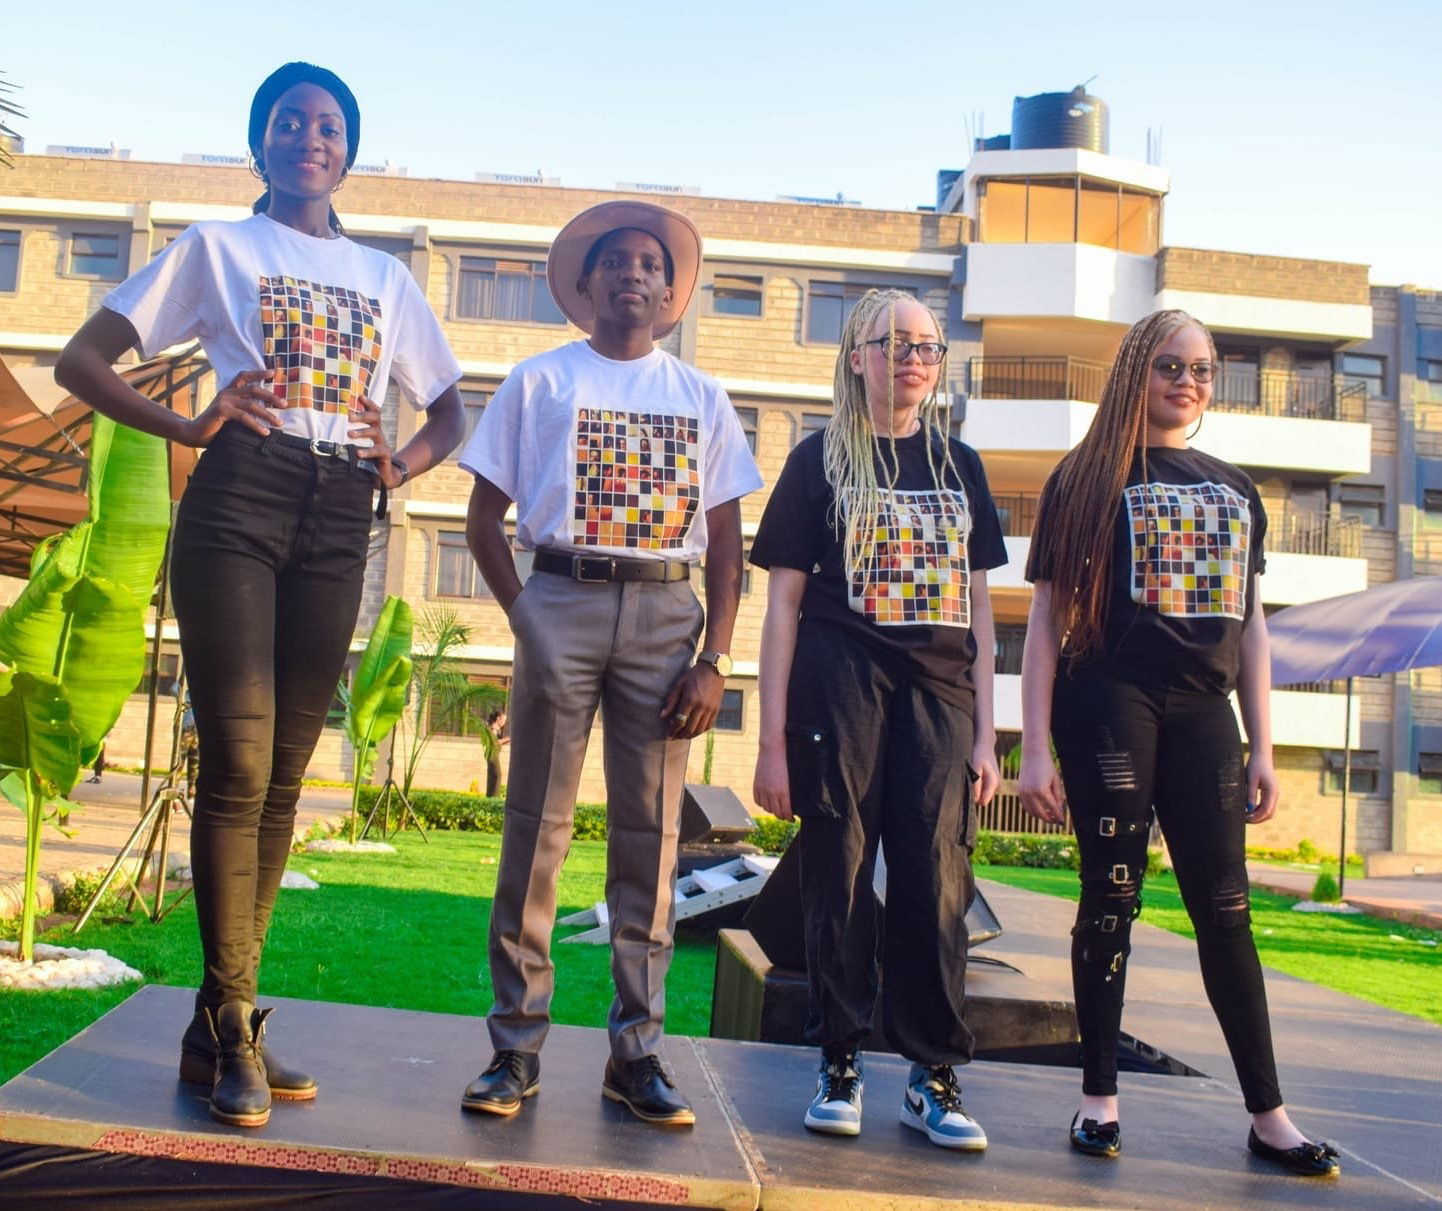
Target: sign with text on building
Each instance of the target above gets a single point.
(94, 153)
(516, 178)
(689, 191)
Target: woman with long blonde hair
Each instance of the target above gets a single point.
(1144, 618)
(876, 685)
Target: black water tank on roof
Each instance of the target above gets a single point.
(1073, 119)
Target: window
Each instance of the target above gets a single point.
(1051, 212)
(1010, 639)
(95, 256)
(1065, 210)
(1366, 770)
(749, 418)
(455, 573)
(168, 678)
(1432, 508)
(1429, 773)
(1429, 371)
(9, 261)
(466, 709)
(1365, 502)
(455, 569)
(732, 715)
(736, 294)
(491, 289)
(474, 402)
(1367, 369)
(813, 422)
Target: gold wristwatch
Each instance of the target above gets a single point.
(719, 661)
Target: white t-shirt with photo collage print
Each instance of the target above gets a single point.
(335, 320)
(613, 457)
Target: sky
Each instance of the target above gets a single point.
(1297, 130)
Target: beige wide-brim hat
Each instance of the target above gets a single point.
(568, 253)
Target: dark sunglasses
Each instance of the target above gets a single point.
(1171, 368)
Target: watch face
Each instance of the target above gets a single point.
(723, 664)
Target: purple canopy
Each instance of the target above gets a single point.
(1383, 630)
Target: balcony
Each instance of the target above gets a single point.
(1023, 413)
(1283, 393)
(1071, 378)
(1301, 532)
(1258, 393)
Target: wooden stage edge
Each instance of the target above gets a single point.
(389, 1111)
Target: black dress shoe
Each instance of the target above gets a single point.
(197, 1059)
(645, 1088)
(1309, 1160)
(1094, 1138)
(500, 1089)
(239, 1095)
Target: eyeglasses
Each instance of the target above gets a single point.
(898, 350)
(1171, 368)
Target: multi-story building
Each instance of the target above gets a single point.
(1039, 256)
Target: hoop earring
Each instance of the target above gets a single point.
(1197, 428)
(256, 166)
(339, 185)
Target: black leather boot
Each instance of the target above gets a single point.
(239, 1095)
(197, 1059)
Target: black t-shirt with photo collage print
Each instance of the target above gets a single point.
(1186, 547)
(912, 607)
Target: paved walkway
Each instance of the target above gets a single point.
(108, 815)
(1416, 900)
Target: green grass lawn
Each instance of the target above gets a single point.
(406, 931)
(1387, 963)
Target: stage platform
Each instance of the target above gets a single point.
(103, 1117)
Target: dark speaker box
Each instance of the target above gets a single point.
(712, 814)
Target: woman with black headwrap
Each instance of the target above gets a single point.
(305, 328)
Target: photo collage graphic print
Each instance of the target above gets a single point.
(638, 483)
(1190, 544)
(323, 342)
(917, 574)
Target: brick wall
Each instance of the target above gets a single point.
(1262, 276)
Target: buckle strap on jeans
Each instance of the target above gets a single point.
(603, 569)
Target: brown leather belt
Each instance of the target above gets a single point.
(603, 569)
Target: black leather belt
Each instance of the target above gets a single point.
(603, 569)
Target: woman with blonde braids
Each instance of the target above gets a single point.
(877, 656)
(1145, 559)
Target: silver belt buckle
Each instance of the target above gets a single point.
(325, 447)
(578, 568)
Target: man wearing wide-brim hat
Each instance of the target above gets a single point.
(626, 467)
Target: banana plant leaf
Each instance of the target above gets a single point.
(378, 692)
(80, 617)
(36, 730)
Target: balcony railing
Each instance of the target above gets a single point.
(1261, 392)
(1284, 393)
(1307, 533)
(1036, 378)
(1017, 511)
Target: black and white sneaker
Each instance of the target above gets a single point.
(932, 1104)
(836, 1108)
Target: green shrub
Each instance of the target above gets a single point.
(1307, 851)
(1325, 889)
(771, 835)
(461, 812)
(1040, 852)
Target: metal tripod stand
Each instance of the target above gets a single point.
(172, 795)
(383, 804)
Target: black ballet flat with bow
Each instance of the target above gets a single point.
(1094, 1138)
(1308, 1160)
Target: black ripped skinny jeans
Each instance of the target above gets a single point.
(1125, 749)
(267, 566)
